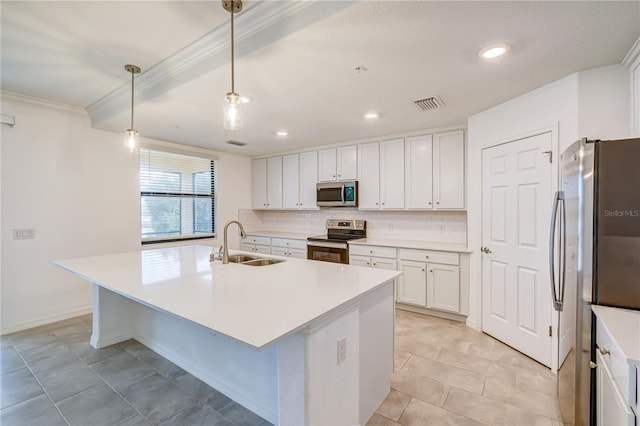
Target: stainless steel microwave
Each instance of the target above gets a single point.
(337, 194)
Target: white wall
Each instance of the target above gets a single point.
(592, 104)
(79, 189)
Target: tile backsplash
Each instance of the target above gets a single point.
(445, 226)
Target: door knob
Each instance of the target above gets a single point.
(485, 250)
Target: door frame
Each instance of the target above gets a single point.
(475, 238)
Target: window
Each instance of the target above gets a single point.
(177, 196)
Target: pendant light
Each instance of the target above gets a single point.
(232, 113)
(132, 134)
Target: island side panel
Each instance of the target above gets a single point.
(332, 385)
(247, 376)
(291, 380)
(377, 318)
(112, 317)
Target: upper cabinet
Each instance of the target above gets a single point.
(380, 184)
(337, 164)
(267, 183)
(299, 178)
(435, 171)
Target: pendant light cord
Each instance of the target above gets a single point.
(132, 72)
(233, 89)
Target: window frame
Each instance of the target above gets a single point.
(182, 195)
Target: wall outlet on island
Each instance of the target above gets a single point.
(342, 349)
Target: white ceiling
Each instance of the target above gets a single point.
(297, 60)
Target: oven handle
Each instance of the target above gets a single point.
(327, 244)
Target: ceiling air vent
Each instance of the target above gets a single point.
(428, 104)
(236, 143)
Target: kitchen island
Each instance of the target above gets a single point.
(297, 342)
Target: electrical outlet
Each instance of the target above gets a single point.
(24, 234)
(342, 349)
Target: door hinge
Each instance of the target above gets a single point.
(550, 331)
(550, 154)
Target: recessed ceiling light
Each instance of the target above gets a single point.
(493, 51)
(372, 115)
(282, 133)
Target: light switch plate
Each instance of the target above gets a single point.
(24, 234)
(342, 350)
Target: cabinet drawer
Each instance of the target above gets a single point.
(359, 260)
(255, 239)
(429, 256)
(289, 243)
(383, 263)
(616, 362)
(377, 251)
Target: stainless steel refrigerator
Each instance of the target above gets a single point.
(594, 258)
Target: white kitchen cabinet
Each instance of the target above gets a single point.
(381, 185)
(443, 287)
(267, 183)
(435, 171)
(259, 187)
(419, 172)
(289, 247)
(368, 176)
(616, 381)
(429, 284)
(291, 181)
(299, 178)
(257, 244)
(412, 284)
(337, 164)
(448, 170)
(308, 180)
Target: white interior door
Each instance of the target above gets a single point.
(516, 209)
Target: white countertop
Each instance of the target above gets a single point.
(256, 305)
(279, 234)
(420, 245)
(624, 326)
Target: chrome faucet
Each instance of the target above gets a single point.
(225, 252)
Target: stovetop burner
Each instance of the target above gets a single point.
(340, 230)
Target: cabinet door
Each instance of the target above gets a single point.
(611, 406)
(308, 179)
(297, 253)
(359, 261)
(274, 183)
(443, 287)
(259, 196)
(368, 176)
(346, 163)
(391, 177)
(290, 181)
(419, 172)
(412, 284)
(448, 170)
(327, 165)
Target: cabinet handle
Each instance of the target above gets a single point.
(383, 204)
(339, 175)
(368, 264)
(431, 270)
(426, 257)
(593, 364)
(371, 251)
(376, 203)
(437, 202)
(604, 351)
(422, 269)
(374, 264)
(334, 175)
(429, 202)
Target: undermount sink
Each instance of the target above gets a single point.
(239, 258)
(243, 259)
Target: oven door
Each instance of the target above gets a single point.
(328, 252)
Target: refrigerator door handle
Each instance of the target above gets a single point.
(558, 202)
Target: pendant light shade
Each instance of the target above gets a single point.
(232, 110)
(131, 141)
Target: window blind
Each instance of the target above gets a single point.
(177, 196)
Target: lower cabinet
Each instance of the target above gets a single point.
(257, 244)
(289, 247)
(612, 409)
(256, 248)
(428, 284)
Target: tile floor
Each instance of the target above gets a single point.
(449, 374)
(50, 375)
(445, 373)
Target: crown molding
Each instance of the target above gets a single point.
(19, 97)
(633, 54)
(261, 26)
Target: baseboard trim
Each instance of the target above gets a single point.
(432, 312)
(47, 320)
(233, 392)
